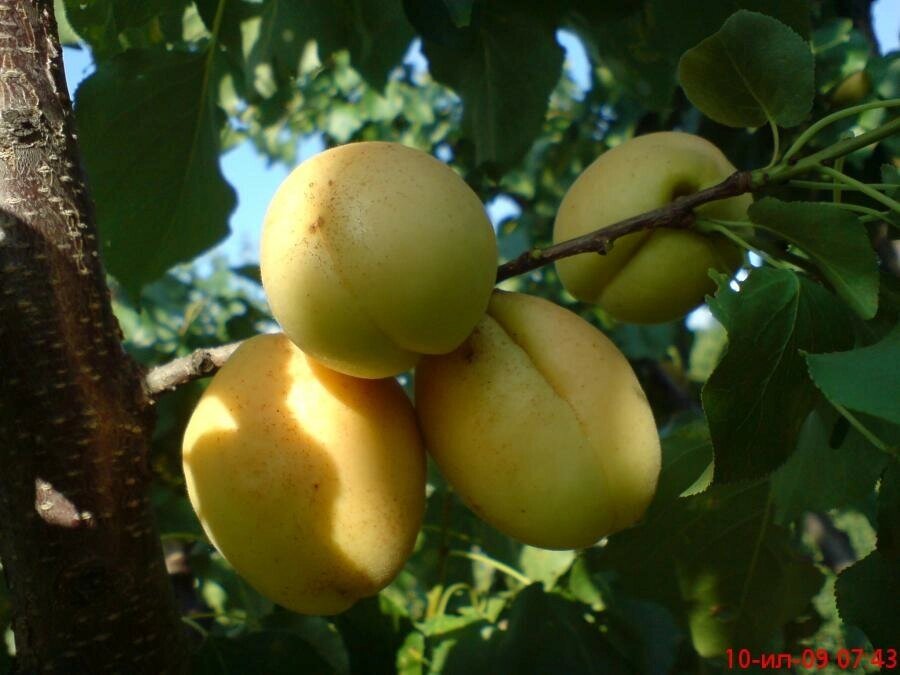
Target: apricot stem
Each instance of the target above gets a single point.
(839, 177)
(496, 564)
(807, 135)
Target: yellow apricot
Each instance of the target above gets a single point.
(540, 425)
(647, 277)
(310, 483)
(373, 254)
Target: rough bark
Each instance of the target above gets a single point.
(78, 543)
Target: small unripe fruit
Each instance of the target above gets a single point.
(540, 425)
(373, 254)
(648, 276)
(852, 89)
(311, 483)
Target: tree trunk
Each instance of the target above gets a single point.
(79, 546)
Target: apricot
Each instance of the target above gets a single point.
(309, 482)
(373, 254)
(649, 276)
(540, 425)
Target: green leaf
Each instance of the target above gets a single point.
(642, 48)
(130, 14)
(67, 36)
(377, 37)
(759, 395)
(867, 595)
(373, 631)
(889, 513)
(223, 589)
(828, 470)
(651, 636)
(835, 240)
(100, 22)
(539, 564)
(316, 631)
(270, 652)
(753, 70)
(865, 379)
(544, 633)
(375, 32)
(891, 174)
(149, 135)
(686, 453)
(504, 66)
(719, 563)
(410, 657)
(95, 23)
(283, 32)
(885, 73)
(460, 11)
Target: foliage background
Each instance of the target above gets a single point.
(742, 563)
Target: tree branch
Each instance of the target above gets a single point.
(677, 214)
(78, 538)
(199, 364)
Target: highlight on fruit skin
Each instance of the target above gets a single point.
(648, 276)
(374, 253)
(309, 482)
(540, 425)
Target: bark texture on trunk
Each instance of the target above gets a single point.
(78, 543)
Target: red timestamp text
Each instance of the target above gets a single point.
(813, 659)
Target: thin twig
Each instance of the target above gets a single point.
(199, 364)
(677, 214)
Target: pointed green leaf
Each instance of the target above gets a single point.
(373, 631)
(719, 563)
(270, 652)
(828, 470)
(754, 70)
(375, 32)
(889, 513)
(867, 595)
(642, 48)
(544, 633)
(759, 395)
(149, 135)
(275, 32)
(504, 66)
(835, 240)
(865, 379)
(687, 452)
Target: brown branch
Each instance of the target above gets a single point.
(677, 214)
(194, 366)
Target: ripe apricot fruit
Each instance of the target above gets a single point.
(373, 254)
(310, 483)
(648, 276)
(540, 425)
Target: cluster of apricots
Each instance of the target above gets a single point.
(305, 459)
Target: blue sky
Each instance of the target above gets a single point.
(256, 183)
